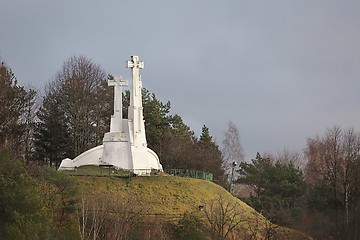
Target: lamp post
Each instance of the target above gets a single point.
(234, 164)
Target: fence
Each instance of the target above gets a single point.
(190, 173)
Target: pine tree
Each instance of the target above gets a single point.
(211, 156)
(52, 137)
(16, 110)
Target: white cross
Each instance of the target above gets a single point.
(117, 79)
(135, 66)
(117, 82)
(135, 63)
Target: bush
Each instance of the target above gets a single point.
(189, 227)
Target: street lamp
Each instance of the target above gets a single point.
(234, 164)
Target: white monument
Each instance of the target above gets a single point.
(125, 145)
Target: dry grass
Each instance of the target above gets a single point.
(170, 197)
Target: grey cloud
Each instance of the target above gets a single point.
(281, 70)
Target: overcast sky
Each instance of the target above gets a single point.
(281, 70)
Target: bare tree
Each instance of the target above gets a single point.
(286, 157)
(91, 217)
(270, 230)
(334, 160)
(348, 172)
(223, 217)
(79, 82)
(232, 151)
(81, 101)
(100, 217)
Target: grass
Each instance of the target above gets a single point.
(93, 170)
(167, 196)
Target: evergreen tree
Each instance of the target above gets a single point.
(156, 114)
(279, 189)
(16, 113)
(22, 211)
(205, 137)
(211, 156)
(177, 145)
(51, 132)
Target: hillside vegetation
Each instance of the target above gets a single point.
(161, 201)
(42, 203)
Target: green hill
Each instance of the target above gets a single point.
(162, 203)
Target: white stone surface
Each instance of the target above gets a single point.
(116, 119)
(125, 145)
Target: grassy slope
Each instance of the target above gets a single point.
(160, 194)
(168, 195)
